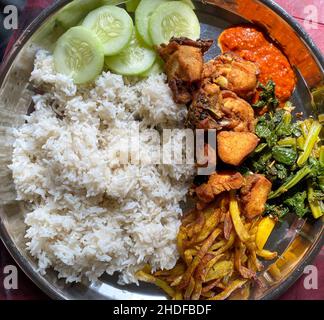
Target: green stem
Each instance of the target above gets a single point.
(321, 118)
(321, 157)
(300, 175)
(287, 142)
(314, 204)
(304, 129)
(301, 142)
(260, 147)
(287, 118)
(310, 142)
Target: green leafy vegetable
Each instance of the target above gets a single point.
(267, 96)
(260, 163)
(263, 130)
(275, 126)
(291, 182)
(290, 156)
(274, 210)
(281, 171)
(297, 203)
(275, 171)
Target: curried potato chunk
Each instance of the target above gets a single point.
(184, 65)
(218, 183)
(233, 73)
(234, 147)
(254, 195)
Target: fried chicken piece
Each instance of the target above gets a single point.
(205, 110)
(218, 183)
(254, 195)
(238, 112)
(234, 147)
(184, 65)
(233, 73)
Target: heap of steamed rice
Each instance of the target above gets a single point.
(91, 213)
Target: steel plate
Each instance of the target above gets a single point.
(297, 241)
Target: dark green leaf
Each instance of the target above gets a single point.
(259, 165)
(282, 171)
(278, 211)
(287, 156)
(297, 203)
(267, 96)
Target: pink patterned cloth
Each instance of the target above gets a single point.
(301, 10)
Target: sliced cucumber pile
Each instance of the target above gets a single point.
(109, 31)
(79, 54)
(133, 60)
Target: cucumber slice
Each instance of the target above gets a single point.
(79, 54)
(75, 11)
(112, 25)
(173, 19)
(133, 60)
(142, 17)
(131, 5)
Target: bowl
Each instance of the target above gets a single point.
(296, 240)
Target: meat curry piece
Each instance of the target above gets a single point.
(218, 183)
(184, 66)
(239, 113)
(233, 73)
(213, 108)
(254, 195)
(205, 111)
(234, 147)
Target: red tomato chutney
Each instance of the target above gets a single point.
(252, 45)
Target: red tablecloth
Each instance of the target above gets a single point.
(301, 10)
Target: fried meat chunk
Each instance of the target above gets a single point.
(218, 183)
(254, 195)
(213, 108)
(239, 113)
(184, 66)
(234, 147)
(205, 110)
(233, 73)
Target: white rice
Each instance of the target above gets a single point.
(91, 214)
